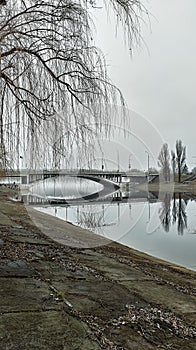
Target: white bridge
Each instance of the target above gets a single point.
(115, 177)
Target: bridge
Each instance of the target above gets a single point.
(115, 176)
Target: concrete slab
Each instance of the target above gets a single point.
(49, 330)
(16, 268)
(5, 220)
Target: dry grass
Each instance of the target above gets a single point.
(2, 172)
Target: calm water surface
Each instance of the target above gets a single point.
(164, 228)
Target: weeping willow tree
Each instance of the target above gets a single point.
(54, 90)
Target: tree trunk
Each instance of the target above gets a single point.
(179, 173)
(2, 144)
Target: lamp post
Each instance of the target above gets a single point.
(148, 163)
(118, 161)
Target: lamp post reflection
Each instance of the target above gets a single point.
(130, 161)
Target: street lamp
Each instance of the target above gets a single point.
(148, 160)
(118, 161)
(148, 163)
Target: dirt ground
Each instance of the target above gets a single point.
(54, 296)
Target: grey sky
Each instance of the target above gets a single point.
(158, 82)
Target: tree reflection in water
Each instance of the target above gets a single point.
(93, 221)
(181, 215)
(177, 215)
(165, 212)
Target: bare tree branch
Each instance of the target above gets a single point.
(49, 68)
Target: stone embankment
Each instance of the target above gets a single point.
(54, 297)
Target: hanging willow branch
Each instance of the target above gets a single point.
(50, 67)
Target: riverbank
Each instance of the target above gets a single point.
(173, 187)
(53, 296)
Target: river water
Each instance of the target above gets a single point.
(162, 226)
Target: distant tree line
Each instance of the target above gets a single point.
(174, 163)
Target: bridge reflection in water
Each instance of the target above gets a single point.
(125, 217)
(172, 205)
(112, 197)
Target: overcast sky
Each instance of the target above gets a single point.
(159, 81)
